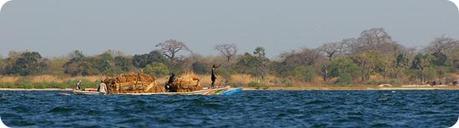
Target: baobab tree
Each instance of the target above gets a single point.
(375, 39)
(227, 50)
(170, 48)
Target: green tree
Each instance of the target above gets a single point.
(73, 66)
(422, 67)
(397, 69)
(104, 63)
(304, 73)
(439, 59)
(140, 61)
(200, 68)
(246, 64)
(345, 69)
(371, 62)
(261, 62)
(402, 61)
(2, 65)
(156, 69)
(291, 60)
(79, 64)
(77, 55)
(123, 64)
(255, 64)
(28, 63)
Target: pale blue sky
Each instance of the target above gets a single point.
(56, 27)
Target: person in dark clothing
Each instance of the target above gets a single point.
(78, 85)
(213, 76)
(170, 82)
(434, 83)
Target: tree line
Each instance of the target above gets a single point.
(371, 58)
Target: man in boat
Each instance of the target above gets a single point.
(78, 85)
(102, 88)
(213, 76)
(170, 82)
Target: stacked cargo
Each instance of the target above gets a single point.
(133, 83)
(186, 83)
(142, 83)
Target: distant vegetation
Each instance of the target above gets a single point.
(372, 58)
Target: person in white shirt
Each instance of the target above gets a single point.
(102, 88)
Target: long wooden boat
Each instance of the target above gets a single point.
(217, 91)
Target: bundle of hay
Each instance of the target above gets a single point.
(186, 83)
(133, 83)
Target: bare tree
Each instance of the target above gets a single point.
(333, 49)
(346, 46)
(227, 50)
(442, 45)
(375, 39)
(171, 47)
(329, 49)
(303, 57)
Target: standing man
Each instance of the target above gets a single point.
(213, 76)
(78, 85)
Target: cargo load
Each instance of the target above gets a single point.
(186, 83)
(133, 83)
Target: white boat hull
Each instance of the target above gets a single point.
(2, 125)
(219, 91)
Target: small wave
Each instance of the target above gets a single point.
(59, 110)
(21, 109)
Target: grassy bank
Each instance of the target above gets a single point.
(47, 85)
(245, 81)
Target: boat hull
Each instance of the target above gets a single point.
(219, 91)
(79, 92)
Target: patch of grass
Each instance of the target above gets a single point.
(25, 84)
(257, 85)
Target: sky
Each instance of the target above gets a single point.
(56, 27)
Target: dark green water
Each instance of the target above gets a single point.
(417, 109)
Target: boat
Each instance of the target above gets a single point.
(456, 125)
(206, 92)
(81, 92)
(2, 125)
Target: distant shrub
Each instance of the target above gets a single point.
(156, 69)
(344, 79)
(253, 84)
(257, 85)
(200, 68)
(304, 73)
(8, 85)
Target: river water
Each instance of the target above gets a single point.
(417, 109)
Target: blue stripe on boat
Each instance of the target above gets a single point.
(232, 91)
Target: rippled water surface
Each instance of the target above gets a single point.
(249, 109)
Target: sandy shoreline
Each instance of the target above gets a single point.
(286, 89)
(353, 88)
